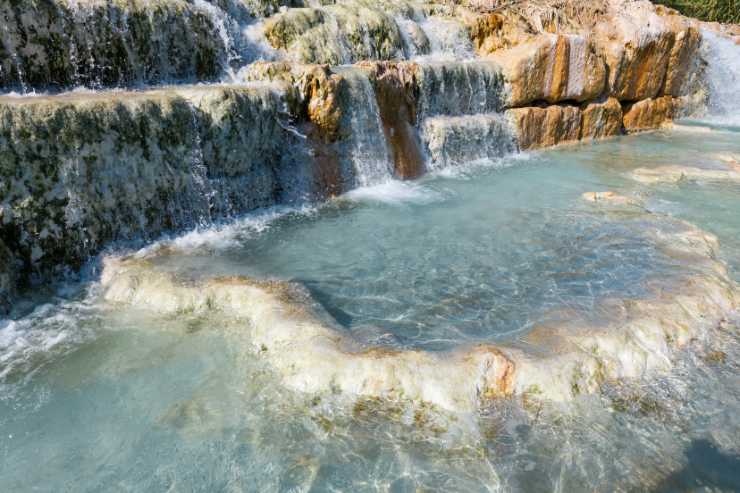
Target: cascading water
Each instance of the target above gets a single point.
(723, 78)
(364, 153)
(454, 141)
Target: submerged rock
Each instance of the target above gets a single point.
(631, 338)
(674, 174)
(609, 197)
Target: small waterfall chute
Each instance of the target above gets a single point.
(723, 78)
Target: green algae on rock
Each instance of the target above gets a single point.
(79, 171)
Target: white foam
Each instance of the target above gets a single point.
(229, 234)
(50, 328)
(395, 192)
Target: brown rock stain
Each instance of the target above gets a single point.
(395, 91)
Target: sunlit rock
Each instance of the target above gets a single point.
(335, 34)
(542, 127)
(684, 64)
(648, 114)
(601, 119)
(626, 338)
(310, 356)
(552, 68)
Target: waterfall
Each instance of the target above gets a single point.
(448, 39)
(456, 141)
(460, 88)
(723, 78)
(365, 151)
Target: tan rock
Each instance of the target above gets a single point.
(682, 62)
(314, 88)
(497, 31)
(552, 68)
(543, 127)
(636, 44)
(648, 114)
(602, 119)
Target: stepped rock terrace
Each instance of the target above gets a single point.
(298, 245)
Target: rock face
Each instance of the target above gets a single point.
(543, 127)
(649, 113)
(76, 173)
(601, 119)
(336, 34)
(552, 68)
(8, 277)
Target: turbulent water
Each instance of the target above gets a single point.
(105, 395)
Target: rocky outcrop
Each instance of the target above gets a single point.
(648, 114)
(8, 276)
(544, 127)
(558, 361)
(79, 172)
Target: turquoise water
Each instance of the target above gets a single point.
(100, 398)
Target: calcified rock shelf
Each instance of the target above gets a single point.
(326, 246)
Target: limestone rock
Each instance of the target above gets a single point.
(313, 92)
(497, 31)
(648, 53)
(552, 68)
(648, 114)
(543, 127)
(683, 63)
(601, 119)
